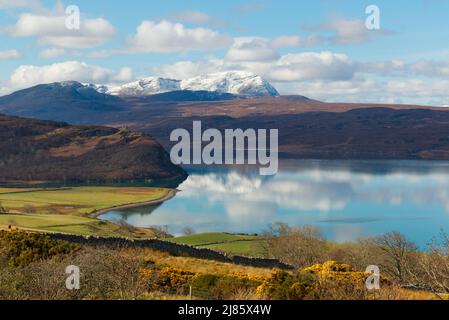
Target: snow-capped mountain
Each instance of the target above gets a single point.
(146, 86)
(233, 82)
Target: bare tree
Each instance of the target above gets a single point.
(113, 273)
(188, 231)
(298, 246)
(434, 266)
(397, 255)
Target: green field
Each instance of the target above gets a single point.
(68, 209)
(250, 245)
(60, 223)
(75, 201)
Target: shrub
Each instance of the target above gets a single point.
(168, 279)
(222, 287)
(23, 248)
(286, 286)
(331, 270)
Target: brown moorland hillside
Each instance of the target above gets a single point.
(46, 151)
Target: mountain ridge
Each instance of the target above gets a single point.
(233, 82)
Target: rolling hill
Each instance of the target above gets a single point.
(55, 152)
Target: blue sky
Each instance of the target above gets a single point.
(321, 49)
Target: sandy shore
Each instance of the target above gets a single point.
(171, 193)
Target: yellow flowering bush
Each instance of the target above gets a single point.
(283, 285)
(168, 279)
(333, 271)
(250, 277)
(328, 280)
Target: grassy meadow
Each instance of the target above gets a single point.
(241, 244)
(69, 210)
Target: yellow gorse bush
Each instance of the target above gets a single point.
(339, 272)
(168, 278)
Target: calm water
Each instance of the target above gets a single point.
(346, 199)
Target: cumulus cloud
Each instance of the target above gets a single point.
(27, 76)
(166, 36)
(190, 69)
(123, 75)
(427, 68)
(313, 65)
(289, 67)
(334, 77)
(51, 30)
(360, 89)
(252, 49)
(9, 54)
(256, 49)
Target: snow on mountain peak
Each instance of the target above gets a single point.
(146, 86)
(234, 82)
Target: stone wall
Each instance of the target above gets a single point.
(171, 248)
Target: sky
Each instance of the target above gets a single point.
(330, 50)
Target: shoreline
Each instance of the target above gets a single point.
(170, 194)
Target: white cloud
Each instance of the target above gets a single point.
(19, 4)
(427, 68)
(51, 30)
(27, 76)
(359, 89)
(124, 75)
(294, 41)
(289, 67)
(198, 17)
(189, 69)
(10, 54)
(166, 36)
(252, 49)
(52, 53)
(334, 77)
(312, 65)
(347, 31)
(256, 49)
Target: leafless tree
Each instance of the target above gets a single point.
(298, 246)
(397, 256)
(434, 266)
(188, 231)
(112, 273)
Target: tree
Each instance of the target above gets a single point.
(398, 255)
(434, 266)
(188, 231)
(298, 246)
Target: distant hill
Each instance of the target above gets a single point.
(60, 100)
(307, 128)
(76, 103)
(46, 151)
